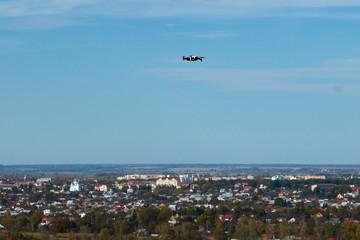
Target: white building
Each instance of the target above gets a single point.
(186, 178)
(42, 181)
(140, 176)
(75, 186)
(167, 182)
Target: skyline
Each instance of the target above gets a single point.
(95, 82)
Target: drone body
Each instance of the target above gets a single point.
(193, 58)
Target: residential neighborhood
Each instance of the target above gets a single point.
(159, 206)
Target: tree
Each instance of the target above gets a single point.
(105, 234)
(35, 219)
(300, 209)
(201, 221)
(165, 231)
(248, 228)
(219, 230)
(145, 215)
(328, 230)
(279, 202)
(164, 215)
(350, 230)
(130, 237)
(284, 230)
(356, 213)
(187, 231)
(62, 225)
(343, 212)
(121, 227)
(49, 197)
(11, 225)
(303, 230)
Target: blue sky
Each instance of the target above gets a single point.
(104, 82)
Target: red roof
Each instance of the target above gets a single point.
(229, 216)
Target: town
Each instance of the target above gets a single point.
(184, 205)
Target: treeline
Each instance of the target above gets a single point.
(193, 223)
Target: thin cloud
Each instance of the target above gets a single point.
(324, 13)
(24, 8)
(42, 22)
(68, 12)
(337, 76)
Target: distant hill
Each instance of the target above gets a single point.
(224, 169)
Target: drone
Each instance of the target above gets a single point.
(193, 58)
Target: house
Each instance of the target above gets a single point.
(292, 220)
(47, 212)
(101, 188)
(340, 196)
(323, 202)
(173, 221)
(355, 190)
(6, 186)
(46, 220)
(70, 203)
(248, 188)
(320, 214)
(228, 217)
